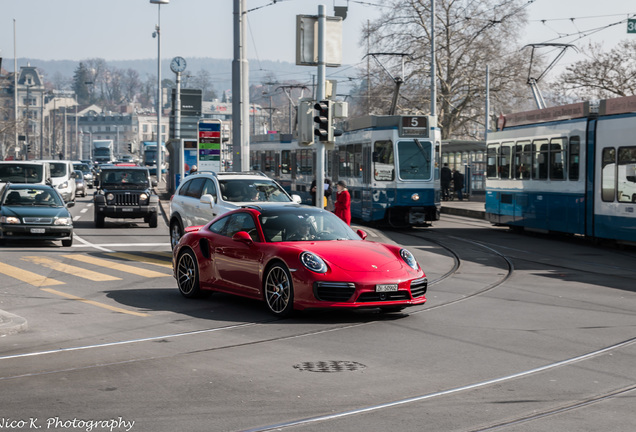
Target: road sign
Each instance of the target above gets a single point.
(209, 136)
(631, 25)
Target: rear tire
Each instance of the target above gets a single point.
(188, 275)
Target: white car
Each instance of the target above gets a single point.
(205, 195)
(63, 178)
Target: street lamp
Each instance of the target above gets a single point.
(157, 33)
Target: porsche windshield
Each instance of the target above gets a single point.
(304, 225)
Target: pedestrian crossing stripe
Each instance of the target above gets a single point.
(28, 276)
(140, 258)
(116, 266)
(73, 270)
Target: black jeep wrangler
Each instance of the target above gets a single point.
(125, 192)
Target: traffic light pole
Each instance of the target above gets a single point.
(320, 95)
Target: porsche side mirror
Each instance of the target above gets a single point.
(243, 237)
(362, 234)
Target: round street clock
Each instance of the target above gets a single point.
(178, 64)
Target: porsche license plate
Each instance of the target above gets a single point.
(38, 230)
(386, 288)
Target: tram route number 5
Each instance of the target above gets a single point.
(631, 26)
(414, 126)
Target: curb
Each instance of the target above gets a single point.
(11, 324)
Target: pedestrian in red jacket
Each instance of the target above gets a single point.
(343, 202)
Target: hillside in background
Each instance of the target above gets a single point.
(220, 70)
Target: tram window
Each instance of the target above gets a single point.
(504, 160)
(491, 163)
(524, 152)
(608, 174)
(541, 156)
(383, 161)
(285, 161)
(626, 178)
(305, 159)
(557, 158)
(574, 154)
(357, 161)
(414, 158)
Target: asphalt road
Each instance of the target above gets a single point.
(520, 333)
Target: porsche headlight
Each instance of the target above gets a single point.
(63, 221)
(409, 258)
(110, 197)
(313, 262)
(9, 220)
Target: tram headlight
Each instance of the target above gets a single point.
(415, 197)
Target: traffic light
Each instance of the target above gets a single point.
(129, 147)
(323, 120)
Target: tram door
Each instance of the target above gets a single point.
(366, 192)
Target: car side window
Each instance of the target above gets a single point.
(241, 222)
(209, 188)
(194, 190)
(218, 226)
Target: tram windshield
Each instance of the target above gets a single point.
(414, 158)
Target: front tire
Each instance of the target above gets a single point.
(279, 291)
(188, 275)
(99, 221)
(67, 243)
(153, 220)
(176, 232)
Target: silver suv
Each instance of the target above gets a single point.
(205, 195)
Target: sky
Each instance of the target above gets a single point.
(122, 29)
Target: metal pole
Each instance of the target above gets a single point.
(245, 93)
(15, 86)
(159, 95)
(177, 126)
(237, 88)
(433, 72)
(320, 95)
(487, 107)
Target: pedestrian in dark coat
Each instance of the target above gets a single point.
(458, 184)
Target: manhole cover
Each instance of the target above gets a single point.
(330, 366)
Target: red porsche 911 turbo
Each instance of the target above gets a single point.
(296, 257)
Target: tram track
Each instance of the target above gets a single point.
(376, 318)
(455, 253)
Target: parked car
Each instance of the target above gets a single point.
(80, 184)
(202, 196)
(125, 192)
(34, 211)
(296, 257)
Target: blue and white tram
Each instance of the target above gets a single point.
(573, 171)
(390, 165)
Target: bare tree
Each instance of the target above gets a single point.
(604, 75)
(469, 36)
